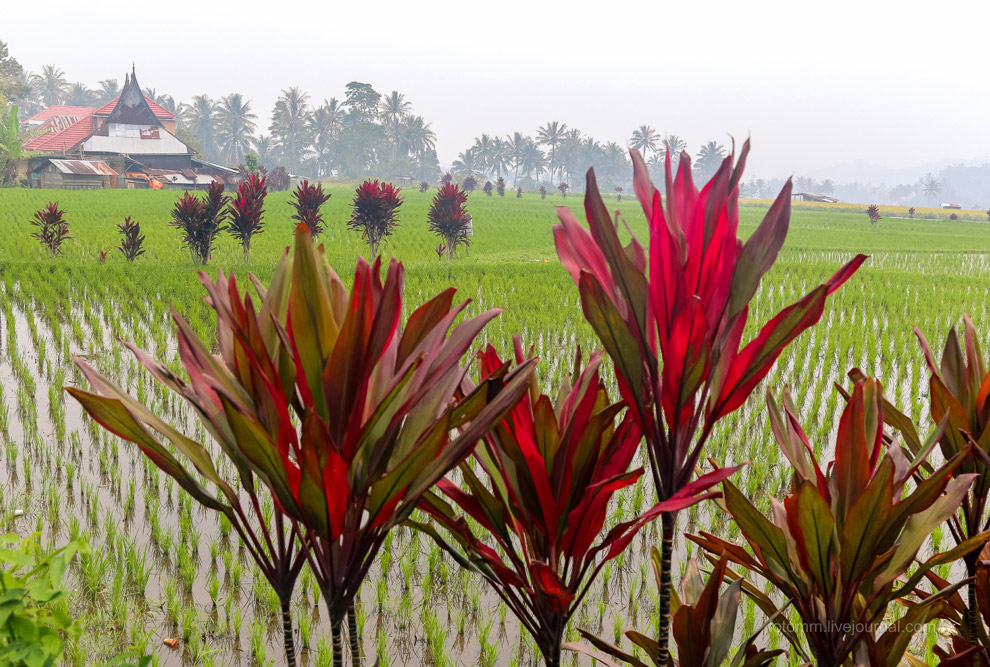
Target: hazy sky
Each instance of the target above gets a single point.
(894, 83)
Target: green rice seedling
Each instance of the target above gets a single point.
(213, 588)
(170, 590)
(381, 649)
(305, 623)
(237, 622)
(324, 652)
(187, 568)
(257, 641)
(187, 622)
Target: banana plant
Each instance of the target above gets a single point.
(343, 413)
(843, 545)
(672, 317)
(704, 623)
(539, 490)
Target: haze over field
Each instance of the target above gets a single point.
(898, 87)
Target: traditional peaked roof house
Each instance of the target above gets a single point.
(131, 137)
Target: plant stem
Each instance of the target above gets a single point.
(290, 649)
(338, 646)
(667, 521)
(352, 631)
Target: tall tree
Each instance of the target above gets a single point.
(550, 135)
(483, 151)
(362, 101)
(709, 158)
(500, 157)
(324, 126)
(12, 83)
(533, 160)
(290, 127)
(51, 85)
(645, 140)
(515, 147)
(235, 127)
(467, 163)
(614, 163)
(931, 187)
(265, 151)
(674, 145)
(108, 90)
(393, 109)
(416, 137)
(200, 117)
(78, 95)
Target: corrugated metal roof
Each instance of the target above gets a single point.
(183, 177)
(166, 144)
(84, 167)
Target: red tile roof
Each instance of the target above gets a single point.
(64, 140)
(59, 110)
(160, 111)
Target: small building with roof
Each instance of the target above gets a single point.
(128, 142)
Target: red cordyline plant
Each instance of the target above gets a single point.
(500, 186)
(959, 393)
(704, 623)
(375, 400)
(519, 192)
(375, 212)
(548, 471)
(672, 320)
(873, 212)
(563, 187)
(132, 243)
(53, 230)
(200, 221)
(842, 546)
(618, 193)
(307, 200)
(446, 178)
(488, 188)
(543, 192)
(229, 394)
(911, 212)
(246, 210)
(470, 183)
(424, 186)
(449, 220)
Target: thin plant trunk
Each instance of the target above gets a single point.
(287, 641)
(352, 631)
(246, 244)
(667, 522)
(338, 646)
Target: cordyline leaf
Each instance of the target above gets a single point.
(813, 529)
(113, 416)
(760, 252)
(766, 539)
(754, 361)
(605, 647)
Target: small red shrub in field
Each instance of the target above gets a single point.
(53, 229)
(246, 211)
(375, 212)
(308, 199)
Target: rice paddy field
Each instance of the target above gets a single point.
(162, 567)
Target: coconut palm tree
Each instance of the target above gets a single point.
(515, 146)
(931, 187)
(709, 158)
(201, 119)
(78, 95)
(644, 140)
(393, 109)
(324, 126)
(289, 127)
(51, 85)
(467, 163)
(674, 145)
(500, 157)
(265, 150)
(483, 152)
(550, 135)
(416, 137)
(533, 160)
(614, 163)
(108, 91)
(235, 127)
